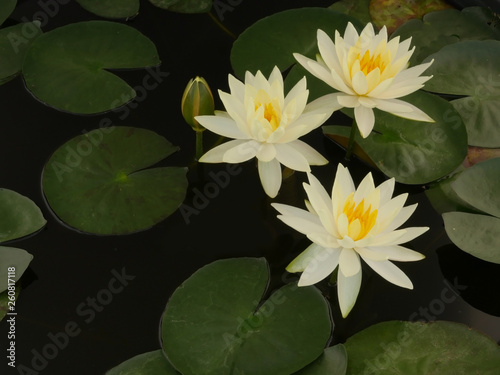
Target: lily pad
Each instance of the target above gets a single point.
(6, 8)
(444, 348)
(215, 322)
(12, 257)
(475, 234)
(66, 68)
(272, 41)
(438, 29)
(445, 199)
(98, 182)
(20, 216)
(111, 8)
(333, 361)
(151, 363)
(184, 6)
(4, 302)
(359, 9)
(470, 68)
(414, 152)
(394, 13)
(14, 44)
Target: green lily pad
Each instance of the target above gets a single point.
(479, 186)
(444, 348)
(475, 234)
(14, 44)
(66, 67)
(333, 361)
(151, 363)
(214, 323)
(184, 6)
(394, 13)
(470, 68)
(20, 216)
(12, 257)
(4, 302)
(272, 41)
(6, 8)
(414, 152)
(98, 182)
(438, 29)
(111, 8)
(359, 9)
(445, 199)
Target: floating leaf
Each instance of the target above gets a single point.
(214, 323)
(438, 29)
(471, 68)
(12, 257)
(479, 186)
(272, 41)
(66, 67)
(20, 216)
(475, 234)
(414, 152)
(333, 361)
(6, 8)
(4, 301)
(111, 8)
(151, 363)
(358, 9)
(394, 13)
(97, 182)
(444, 198)
(14, 43)
(444, 348)
(184, 6)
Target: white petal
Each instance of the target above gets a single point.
(398, 253)
(317, 195)
(391, 273)
(386, 190)
(349, 262)
(300, 263)
(348, 290)
(364, 189)
(270, 176)
(312, 156)
(216, 155)
(410, 234)
(349, 101)
(242, 152)
(372, 253)
(266, 152)
(365, 120)
(350, 34)
(324, 239)
(327, 51)
(342, 186)
(320, 268)
(303, 224)
(237, 88)
(290, 157)
(359, 83)
(222, 125)
(389, 211)
(401, 217)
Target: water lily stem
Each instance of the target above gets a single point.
(199, 145)
(350, 145)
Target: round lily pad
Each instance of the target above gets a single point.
(12, 257)
(20, 216)
(216, 323)
(99, 183)
(471, 69)
(444, 348)
(151, 363)
(66, 68)
(272, 41)
(414, 152)
(111, 8)
(184, 6)
(6, 8)
(333, 361)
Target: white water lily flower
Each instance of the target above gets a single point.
(370, 72)
(349, 225)
(267, 125)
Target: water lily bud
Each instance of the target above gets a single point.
(197, 100)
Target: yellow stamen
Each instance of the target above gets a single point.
(361, 221)
(272, 110)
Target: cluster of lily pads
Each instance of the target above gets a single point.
(222, 319)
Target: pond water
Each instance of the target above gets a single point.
(63, 287)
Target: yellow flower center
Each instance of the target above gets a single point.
(272, 109)
(361, 220)
(368, 63)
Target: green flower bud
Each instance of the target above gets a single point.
(197, 100)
